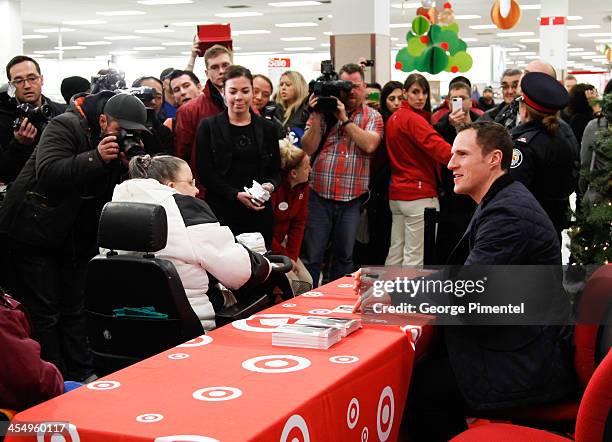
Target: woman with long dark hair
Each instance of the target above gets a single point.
(415, 151)
(579, 111)
(235, 148)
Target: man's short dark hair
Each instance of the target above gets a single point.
(511, 72)
(459, 85)
(460, 79)
(237, 71)
(491, 136)
(20, 59)
(179, 73)
(351, 68)
(138, 81)
(165, 73)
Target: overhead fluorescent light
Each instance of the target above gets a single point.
(251, 32)
(573, 27)
(154, 31)
(123, 52)
(84, 22)
(259, 53)
(578, 54)
(293, 4)
(238, 14)
(177, 43)
(588, 34)
(326, 45)
(514, 34)
(94, 43)
(163, 2)
(511, 49)
(532, 57)
(120, 13)
(54, 51)
(528, 40)
(52, 30)
(400, 25)
(328, 33)
(467, 17)
(69, 48)
(513, 54)
(603, 40)
(34, 55)
(406, 5)
(483, 27)
(149, 48)
(574, 17)
(297, 38)
(296, 25)
(530, 7)
(299, 48)
(122, 37)
(191, 23)
(575, 49)
(470, 39)
(33, 36)
(394, 39)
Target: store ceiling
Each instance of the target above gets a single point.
(165, 30)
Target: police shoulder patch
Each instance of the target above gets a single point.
(517, 158)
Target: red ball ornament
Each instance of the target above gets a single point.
(454, 69)
(447, 5)
(444, 45)
(424, 39)
(399, 66)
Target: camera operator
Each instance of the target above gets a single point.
(160, 139)
(50, 216)
(340, 148)
(20, 131)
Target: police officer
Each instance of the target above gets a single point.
(543, 159)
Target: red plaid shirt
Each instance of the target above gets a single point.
(341, 172)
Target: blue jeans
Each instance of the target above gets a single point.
(335, 220)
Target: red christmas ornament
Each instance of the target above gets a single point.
(454, 69)
(444, 45)
(447, 5)
(399, 66)
(424, 39)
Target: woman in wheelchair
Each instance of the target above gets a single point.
(197, 244)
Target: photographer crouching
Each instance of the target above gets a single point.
(50, 216)
(24, 113)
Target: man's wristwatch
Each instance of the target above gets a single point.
(345, 122)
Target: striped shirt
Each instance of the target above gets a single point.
(341, 171)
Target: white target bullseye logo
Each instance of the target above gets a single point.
(177, 356)
(296, 430)
(149, 418)
(276, 364)
(185, 438)
(415, 331)
(384, 414)
(312, 294)
(344, 359)
(217, 394)
(197, 342)
(352, 413)
(265, 323)
(68, 432)
(320, 311)
(289, 305)
(103, 385)
(345, 286)
(365, 434)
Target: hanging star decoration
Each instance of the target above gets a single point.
(433, 45)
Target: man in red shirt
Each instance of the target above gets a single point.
(340, 175)
(217, 59)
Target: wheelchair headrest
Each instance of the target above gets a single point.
(137, 227)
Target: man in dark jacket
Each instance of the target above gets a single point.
(493, 367)
(18, 142)
(50, 217)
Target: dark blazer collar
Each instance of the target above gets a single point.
(503, 181)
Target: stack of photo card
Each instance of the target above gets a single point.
(306, 336)
(346, 325)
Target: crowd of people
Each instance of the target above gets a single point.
(346, 188)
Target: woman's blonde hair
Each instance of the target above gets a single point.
(290, 156)
(301, 93)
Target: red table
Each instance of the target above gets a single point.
(233, 385)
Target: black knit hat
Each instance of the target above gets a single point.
(72, 86)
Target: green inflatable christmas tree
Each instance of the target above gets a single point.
(433, 48)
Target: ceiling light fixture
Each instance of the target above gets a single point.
(467, 17)
(294, 4)
(191, 23)
(400, 25)
(120, 13)
(483, 27)
(154, 31)
(163, 2)
(149, 48)
(178, 43)
(530, 7)
(588, 34)
(514, 34)
(52, 30)
(574, 27)
(297, 38)
(84, 22)
(406, 5)
(94, 43)
(122, 37)
(33, 36)
(238, 14)
(251, 32)
(299, 48)
(296, 25)
(528, 40)
(69, 48)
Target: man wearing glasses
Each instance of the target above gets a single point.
(505, 112)
(19, 137)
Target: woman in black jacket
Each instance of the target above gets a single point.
(235, 148)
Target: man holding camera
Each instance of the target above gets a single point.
(50, 216)
(22, 118)
(340, 149)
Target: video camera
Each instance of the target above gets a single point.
(130, 144)
(328, 86)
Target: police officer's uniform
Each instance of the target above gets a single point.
(545, 163)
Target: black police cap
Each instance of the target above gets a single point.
(543, 92)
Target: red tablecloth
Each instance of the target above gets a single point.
(233, 385)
